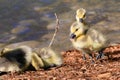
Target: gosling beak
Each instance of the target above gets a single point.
(72, 36)
(81, 20)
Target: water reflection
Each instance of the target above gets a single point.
(28, 20)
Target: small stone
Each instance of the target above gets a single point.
(104, 75)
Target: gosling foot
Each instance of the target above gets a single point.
(100, 55)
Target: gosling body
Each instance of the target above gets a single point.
(17, 59)
(20, 58)
(85, 38)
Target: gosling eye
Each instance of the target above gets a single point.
(84, 15)
(76, 29)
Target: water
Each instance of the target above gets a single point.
(32, 22)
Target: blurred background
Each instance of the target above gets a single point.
(32, 22)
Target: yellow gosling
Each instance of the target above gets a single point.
(85, 38)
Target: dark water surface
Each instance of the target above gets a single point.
(32, 22)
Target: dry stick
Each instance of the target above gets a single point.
(56, 30)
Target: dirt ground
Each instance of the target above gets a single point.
(75, 68)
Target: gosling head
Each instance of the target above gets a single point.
(50, 58)
(76, 31)
(80, 15)
(4, 50)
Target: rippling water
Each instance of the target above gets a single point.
(33, 21)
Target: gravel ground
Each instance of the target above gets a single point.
(75, 68)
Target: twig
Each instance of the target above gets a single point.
(56, 30)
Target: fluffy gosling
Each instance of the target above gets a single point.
(86, 39)
(17, 59)
(20, 58)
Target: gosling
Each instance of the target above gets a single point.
(17, 59)
(20, 58)
(85, 38)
